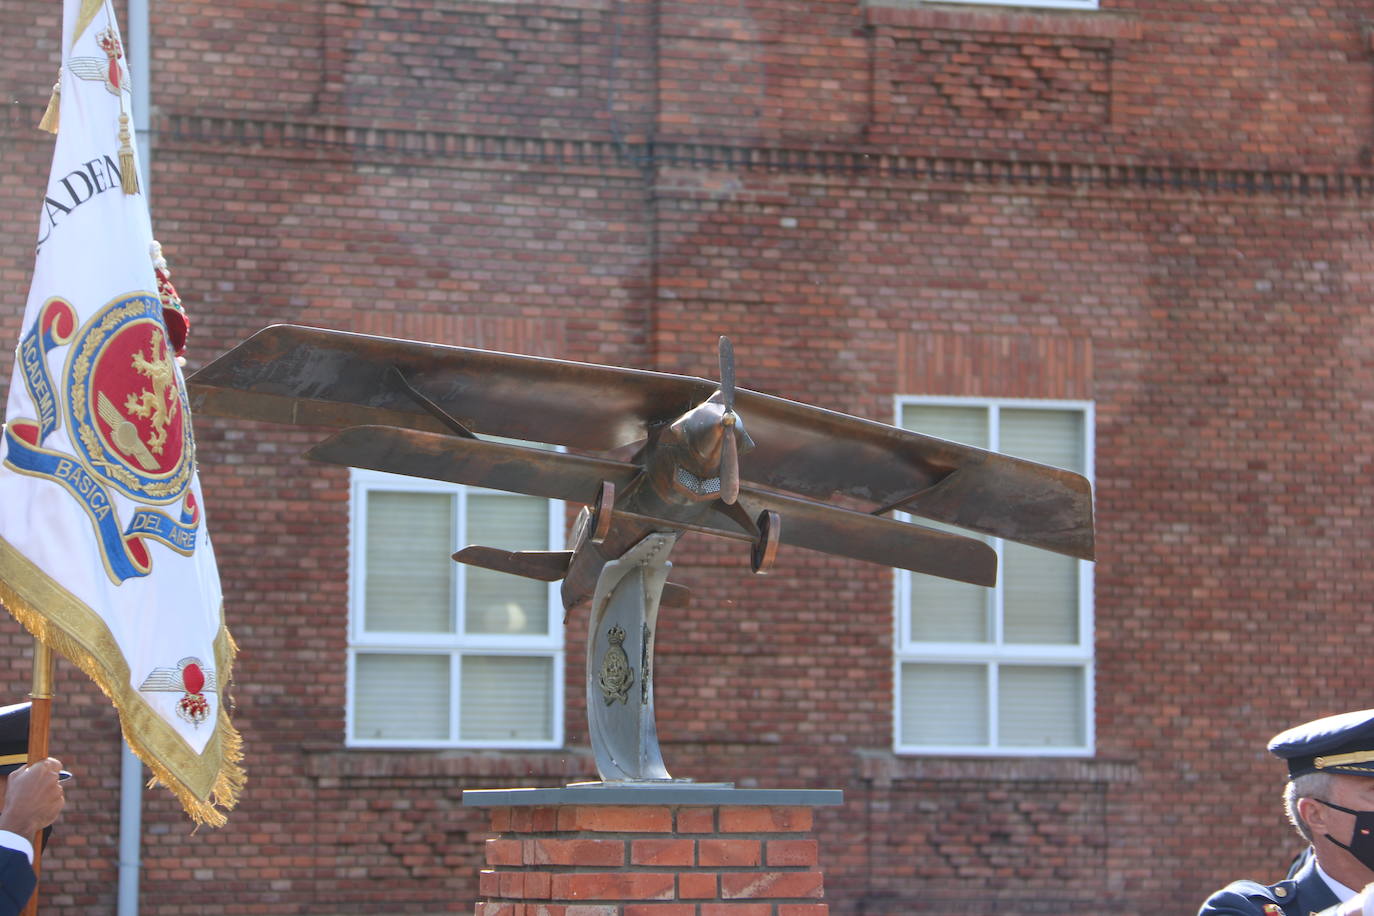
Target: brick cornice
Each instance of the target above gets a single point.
(435, 147)
(432, 148)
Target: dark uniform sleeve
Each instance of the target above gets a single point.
(17, 881)
(1242, 898)
(1250, 898)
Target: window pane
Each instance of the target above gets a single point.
(946, 611)
(1053, 437)
(968, 425)
(944, 705)
(1040, 706)
(1037, 603)
(401, 697)
(1040, 596)
(498, 602)
(409, 573)
(506, 699)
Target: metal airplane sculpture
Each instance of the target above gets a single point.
(672, 454)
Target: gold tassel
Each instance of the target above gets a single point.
(128, 173)
(49, 120)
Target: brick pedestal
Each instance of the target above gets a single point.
(659, 850)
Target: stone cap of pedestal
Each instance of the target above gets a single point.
(665, 793)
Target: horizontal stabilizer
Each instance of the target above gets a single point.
(544, 565)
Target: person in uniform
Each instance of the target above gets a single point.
(1330, 801)
(31, 798)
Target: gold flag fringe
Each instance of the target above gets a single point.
(50, 114)
(230, 778)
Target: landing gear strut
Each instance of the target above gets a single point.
(765, 549)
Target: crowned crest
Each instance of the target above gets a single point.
(127, 405)
(110, 70)
(616, 676)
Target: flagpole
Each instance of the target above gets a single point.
(40, 717)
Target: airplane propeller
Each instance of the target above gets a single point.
(729, 452)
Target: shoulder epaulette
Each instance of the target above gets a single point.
(1275, 895)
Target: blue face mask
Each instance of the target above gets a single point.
(1361, 844)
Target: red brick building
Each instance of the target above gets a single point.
(1148, 219)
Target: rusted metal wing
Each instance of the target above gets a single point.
(475, 462)
(555, 475)
(292, 374)
(828, 529)
(821, 454)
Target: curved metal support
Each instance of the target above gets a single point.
(620, 663)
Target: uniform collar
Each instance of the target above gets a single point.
(1342, 892)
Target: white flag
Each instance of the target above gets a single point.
(104, 551)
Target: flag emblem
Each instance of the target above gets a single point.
(127, 410)
(110, 71)
(192, 679)
(127, 406)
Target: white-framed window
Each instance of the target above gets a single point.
(1043, 4)
(1005, 670)
(442, 654)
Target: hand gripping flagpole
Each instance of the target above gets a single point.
(40, 717)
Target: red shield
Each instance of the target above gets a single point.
(136, 399)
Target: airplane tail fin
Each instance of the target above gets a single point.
(544, 565)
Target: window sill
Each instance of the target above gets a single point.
(884, 768)
(558, 765)
(1077, 23)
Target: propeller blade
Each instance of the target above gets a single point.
(726, 351)
(729, 462)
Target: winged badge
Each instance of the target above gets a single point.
(109, 70)
(189, 677)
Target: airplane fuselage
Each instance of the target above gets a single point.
(672, 491)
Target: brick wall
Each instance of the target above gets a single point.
(652, 860)
(1164, 207)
